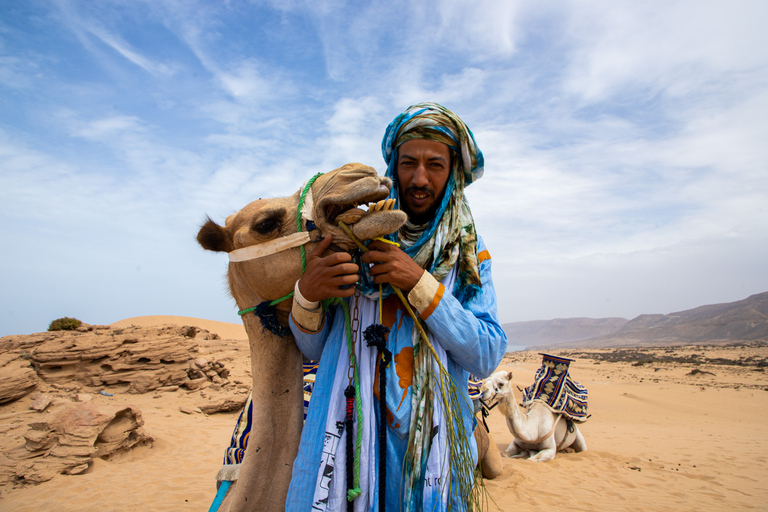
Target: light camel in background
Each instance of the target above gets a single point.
(265, 226)
(538, 431)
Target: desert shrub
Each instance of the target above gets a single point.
(64, 324)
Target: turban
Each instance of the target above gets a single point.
(434, 122)
(450, 237)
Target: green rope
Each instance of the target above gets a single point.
(273, 303)
(352, 493)
(298, 217)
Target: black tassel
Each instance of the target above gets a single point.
(268, 316)
(376, 336)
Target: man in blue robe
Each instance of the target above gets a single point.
(444, 270)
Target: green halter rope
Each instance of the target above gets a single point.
(303, 251)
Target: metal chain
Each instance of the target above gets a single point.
(355, 329)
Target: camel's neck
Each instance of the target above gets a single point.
(508, 405)
(278, 414)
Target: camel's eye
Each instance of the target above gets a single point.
(266, 226)
(268, 221)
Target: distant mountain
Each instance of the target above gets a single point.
(548, 332)
(744, 320)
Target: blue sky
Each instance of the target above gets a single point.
(625, 143)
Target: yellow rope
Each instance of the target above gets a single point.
(380, 239)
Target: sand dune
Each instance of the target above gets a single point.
(660, 439)
(226, 330)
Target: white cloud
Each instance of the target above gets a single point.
(116, 43)
(243, 78)
(661, 46)
(244, 81)
(354, 133)
(84, 25)
(485, 28)
(449, 89)
(109, 127)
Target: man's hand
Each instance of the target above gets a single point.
(325, 275)
(391, 265)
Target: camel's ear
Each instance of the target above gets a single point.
(509, 376)
(214, 237)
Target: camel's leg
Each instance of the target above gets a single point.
(516, 451)
(547, 452)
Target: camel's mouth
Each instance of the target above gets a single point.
(351, 214)
(334, 211)
(369, 216)
(488, 395)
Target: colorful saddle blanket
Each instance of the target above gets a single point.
(236, 449)
(553, 386)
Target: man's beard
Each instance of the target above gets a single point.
(419, 218)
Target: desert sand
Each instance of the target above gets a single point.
(662, 437)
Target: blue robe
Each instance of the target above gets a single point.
(468, 330)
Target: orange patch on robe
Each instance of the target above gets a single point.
(404, 369)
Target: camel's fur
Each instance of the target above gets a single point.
(488, 454)
(276, 363)
(538, 432)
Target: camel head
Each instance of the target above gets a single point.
(264, 224)
(497, 385)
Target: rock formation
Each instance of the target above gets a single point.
(65, 428)
(67, 440)
(145, 358)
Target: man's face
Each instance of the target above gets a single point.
(423, 169)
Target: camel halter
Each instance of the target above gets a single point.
(298, 239)
(253, 252)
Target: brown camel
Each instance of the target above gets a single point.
(276, 363)
(488, 455)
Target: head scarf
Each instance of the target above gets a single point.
(450, 237)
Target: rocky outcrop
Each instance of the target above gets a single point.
(201, 370)
(17, 377)
(228, 404)
(67, 440)
(73, 419)
(145, 358)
